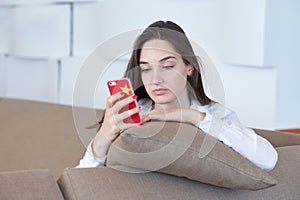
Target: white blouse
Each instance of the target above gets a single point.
(229, 130)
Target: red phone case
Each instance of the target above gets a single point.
(124, 85)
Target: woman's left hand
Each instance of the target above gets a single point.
(175, 114)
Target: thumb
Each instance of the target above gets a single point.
(146, 117)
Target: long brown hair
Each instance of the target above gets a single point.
(171, 32)
(174, 34)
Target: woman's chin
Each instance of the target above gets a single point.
(162, 100)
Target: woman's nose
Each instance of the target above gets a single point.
(156, 76)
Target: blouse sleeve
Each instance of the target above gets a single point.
(89, 160)
(243, 140)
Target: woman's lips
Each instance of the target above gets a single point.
(160, 91)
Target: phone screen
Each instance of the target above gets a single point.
(124, 85)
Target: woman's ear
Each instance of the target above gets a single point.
(190, 69)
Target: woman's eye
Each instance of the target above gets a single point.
(145, 69)
(168, 67)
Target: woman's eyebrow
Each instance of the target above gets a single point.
(161, 60)
(167, 58)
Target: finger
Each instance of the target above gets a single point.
(118, 119)
(146, 117)
(125, 126)
(120, 104)
(111, 100)
(130, 112)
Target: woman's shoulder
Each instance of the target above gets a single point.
(216, 109)
(205, 108)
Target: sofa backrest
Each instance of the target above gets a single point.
(279, 139)
(35, 135)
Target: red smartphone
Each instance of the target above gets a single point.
(124, 85)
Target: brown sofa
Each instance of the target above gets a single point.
(40, 147)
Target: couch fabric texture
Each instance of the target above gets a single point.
(29, 184)
(107, 183)
(36, 136)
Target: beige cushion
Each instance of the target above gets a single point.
(33, 184)
(175, 150)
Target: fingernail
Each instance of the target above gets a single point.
(140, 107)
(134, 97)
(141, 123)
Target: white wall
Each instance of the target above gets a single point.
(250, 85)
(96, 23)
(40, 31)
(69, 67)
(4, 30)
(251, 92)
(4, 46)
(31, 79)
(244, 38)
(282, 50)
(2, 77)
(243, 32)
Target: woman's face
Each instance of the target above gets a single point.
(164, 74)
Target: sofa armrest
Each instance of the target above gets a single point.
(31, 184)
(279, 139)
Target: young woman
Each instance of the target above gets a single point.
(166, 77)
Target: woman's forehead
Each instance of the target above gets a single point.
(156, 50)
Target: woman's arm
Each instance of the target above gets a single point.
(243, 140)
(90, 160)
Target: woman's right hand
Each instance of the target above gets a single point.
(113, 123)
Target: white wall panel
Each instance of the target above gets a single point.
(98, 22)
(70, 71)
(2, 76)
(251, 93)
(244, 30)
(70, 67)
(28, 2)
(282, 49)
(247, 34)
(40, 31)
(32, 79)
(4, 30)
(87, 28)
(88, 81)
